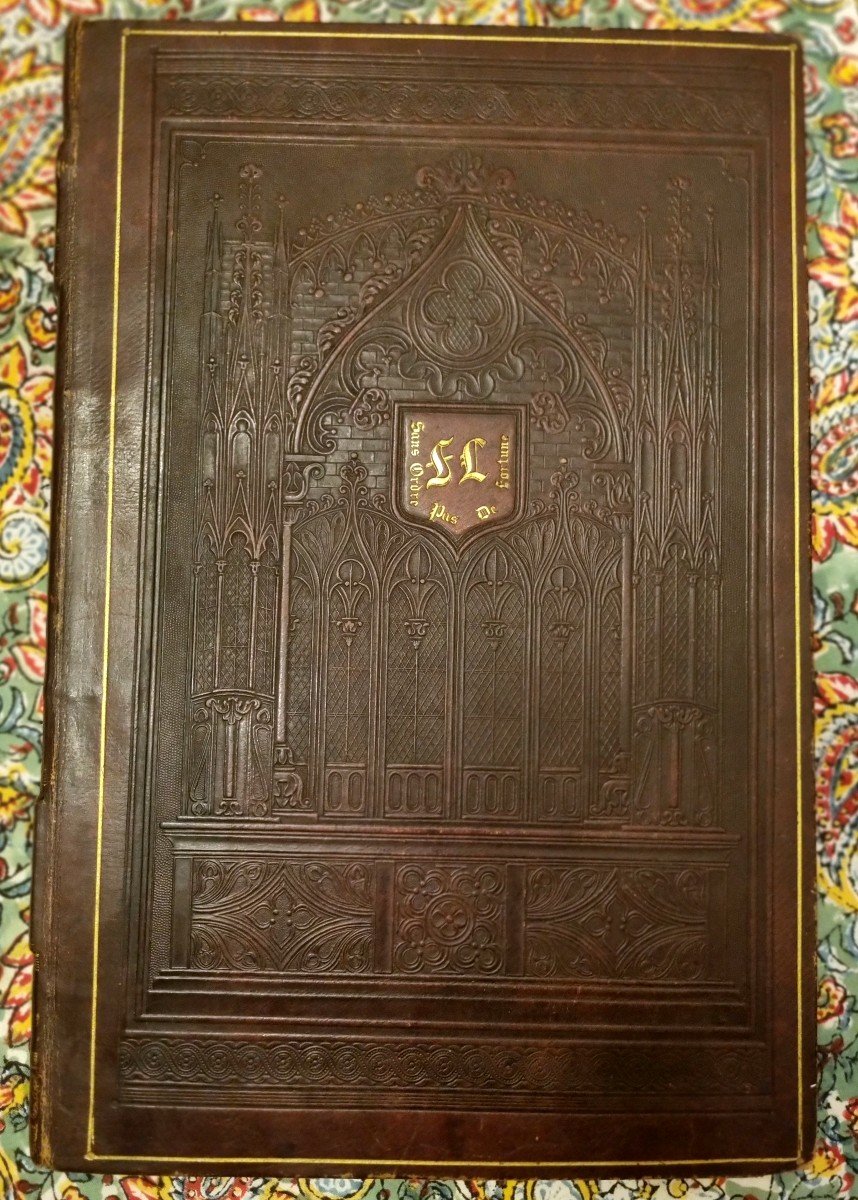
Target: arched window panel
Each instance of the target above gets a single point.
(349, 600)
(677, 623)
(240, 449)
(204, 629)
(646, 473)
(609, 718)
(264, 633)
(493, 662)
(235, 617)
(708, 639)
(271, 456)
(416, 696)
(209, 453)
(561, 695)
(647, 604)
(301, 657)
(678, 460)
(611, 799)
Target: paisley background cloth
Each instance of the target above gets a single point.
(31, 51)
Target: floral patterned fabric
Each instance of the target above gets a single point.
(31, 50)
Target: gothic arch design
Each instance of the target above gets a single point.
(494, 696)
(418, 696)
(336, 389)
(343, 659)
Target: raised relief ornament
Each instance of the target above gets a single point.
(428, 593)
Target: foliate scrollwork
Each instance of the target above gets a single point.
(435, 1067)
(538, 106)
(549, 412)
(265, 915)
(299, 381)
(604, 495)
(322, 433)
(370, 408)
(464, 176)
(449, 919)
(344, 318)
(298, 473)
(290, 792)
(627, 922)
(555, 250)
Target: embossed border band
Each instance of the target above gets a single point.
(581, 36)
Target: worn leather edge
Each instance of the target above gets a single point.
(47, 814)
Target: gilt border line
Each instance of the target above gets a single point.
(578, 36)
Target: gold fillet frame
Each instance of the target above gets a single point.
(584, 37)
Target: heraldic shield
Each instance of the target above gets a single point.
(458, 468)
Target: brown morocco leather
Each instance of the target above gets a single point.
(429, 709)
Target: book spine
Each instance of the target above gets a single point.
(46, 860)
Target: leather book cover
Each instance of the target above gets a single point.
(429, 702)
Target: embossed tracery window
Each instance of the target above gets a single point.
(457, 556)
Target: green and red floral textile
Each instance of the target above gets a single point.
(31, 51)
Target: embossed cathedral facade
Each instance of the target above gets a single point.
(353, 659)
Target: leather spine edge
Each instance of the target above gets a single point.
(49, 804)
